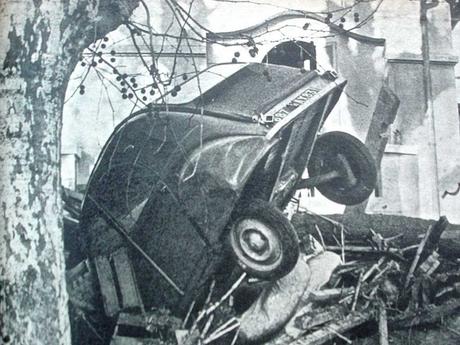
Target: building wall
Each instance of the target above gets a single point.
(456, 48)
(69, 164)
(429, 122)
(422, 160)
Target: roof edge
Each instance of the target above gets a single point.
(292, 14)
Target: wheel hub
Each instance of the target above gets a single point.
(257, 242)
(263, 242)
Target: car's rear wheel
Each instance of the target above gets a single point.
(263, 241)
(339, 151)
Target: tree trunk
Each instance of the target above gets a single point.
(357, 230)
(40, 45)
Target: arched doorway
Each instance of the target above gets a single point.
(294, 54)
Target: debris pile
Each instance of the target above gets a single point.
(343, 282)
(379, 286)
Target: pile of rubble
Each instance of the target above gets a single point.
(372, 283)
(342, 282)
(379, 282)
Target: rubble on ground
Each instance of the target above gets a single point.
(375, 283)
(340, 283)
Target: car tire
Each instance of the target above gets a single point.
(324, 158)
(263, 241)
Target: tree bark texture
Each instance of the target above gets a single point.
(40, 44)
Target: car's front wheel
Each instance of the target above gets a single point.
(263, 241)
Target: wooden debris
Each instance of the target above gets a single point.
(131, 329)
(338, 335)
(330, 294)
(430, 265)
(374, 268)
(319, 317)
(206, 327)
(377, 136)
(370, 286)
(427, 315)
(427, 246)
(221, 333)
(130, 341)
(390, 265)
(130, 296)
(358, 287)
(227, 294)
(383, 326)
(189, 312)
(210, 308)
(392, 253)
(380, 242)
(107, 284)
(387, 225)
(325, 334)
(320, 236)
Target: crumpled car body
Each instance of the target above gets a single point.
(171, 174)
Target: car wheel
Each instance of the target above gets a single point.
(329, 153)
(263, 241)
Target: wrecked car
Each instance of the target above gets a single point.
(197, 182)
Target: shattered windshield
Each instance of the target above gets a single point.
(201, 83)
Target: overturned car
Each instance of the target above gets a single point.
(194, 184)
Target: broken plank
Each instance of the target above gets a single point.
(377, 136)
(430, 265)
(131, 319)
(320, 316)
(117, 340)
(330, 332)
(434, 237)
(328, 294)
(383, 325)
(427, 246)
(107, 285)
(130, 297)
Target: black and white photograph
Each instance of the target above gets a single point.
(229, 172)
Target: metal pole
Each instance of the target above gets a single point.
(428, 93)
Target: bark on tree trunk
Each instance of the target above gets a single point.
(40, 44)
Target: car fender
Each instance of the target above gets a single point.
(214, 176)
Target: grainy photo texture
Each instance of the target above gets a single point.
(194, 172)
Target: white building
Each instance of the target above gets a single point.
(372, 43)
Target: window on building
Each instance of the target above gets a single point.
(293, 53)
